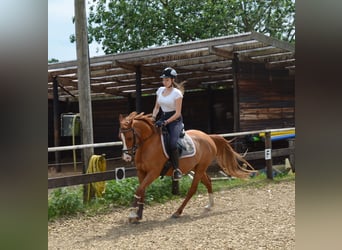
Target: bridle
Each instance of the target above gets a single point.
(130, 151)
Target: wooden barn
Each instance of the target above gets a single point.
(233, 83)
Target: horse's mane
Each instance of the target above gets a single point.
(135, 116)
(142, 116)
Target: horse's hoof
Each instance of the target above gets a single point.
(133, 220)
(175, 216)
(207, 208)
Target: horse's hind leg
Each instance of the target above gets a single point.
(207, 183)
(191, 192)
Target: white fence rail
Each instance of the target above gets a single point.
(130, 172)
(119, 143)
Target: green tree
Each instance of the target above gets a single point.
(53, 60)
(123, 25)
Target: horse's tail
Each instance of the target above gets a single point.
(229, 160)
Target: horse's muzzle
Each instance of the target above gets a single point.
(126, 157)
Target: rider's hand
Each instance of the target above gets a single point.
(160, 123)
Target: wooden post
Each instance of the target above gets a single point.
(138, 89)
(83, 75)
(236, 107)
(268, 155)
(56, 122)
(210, 109)
(292, 156)
(235, 66)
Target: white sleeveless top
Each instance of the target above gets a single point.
(168, 103)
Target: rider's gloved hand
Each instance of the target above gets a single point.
(160, 123)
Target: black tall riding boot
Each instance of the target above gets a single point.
(174, 158)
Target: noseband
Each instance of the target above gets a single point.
(130, 151)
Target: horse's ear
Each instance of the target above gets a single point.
(139, 115)
(132, 115)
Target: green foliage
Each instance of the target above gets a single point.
(121, 192)
(159, 191)
(64, 201)
(123, 25)
(53, 60)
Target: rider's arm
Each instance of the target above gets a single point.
(155, 111)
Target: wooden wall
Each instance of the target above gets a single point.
(266, 99)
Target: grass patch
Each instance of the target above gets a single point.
(68, 201)
(65, 201)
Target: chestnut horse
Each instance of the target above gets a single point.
(142, 141)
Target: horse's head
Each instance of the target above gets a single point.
(133, 131)
(127, 135)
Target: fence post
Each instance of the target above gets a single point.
(292, 156)
(268, 155)
(83, 77)
(56, 116)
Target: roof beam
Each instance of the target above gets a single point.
(272, 41)
(226, 52)
(166, 58)
(279, 64)
(274, 57)
(161, 50)
(208, 66)
(247, 56)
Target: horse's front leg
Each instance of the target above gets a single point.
(137, 208)
(139, 197)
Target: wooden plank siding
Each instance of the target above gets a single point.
(106, 123)
(266, 99)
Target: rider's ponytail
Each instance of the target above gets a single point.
(179, 86)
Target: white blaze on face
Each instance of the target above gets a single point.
(125, 157)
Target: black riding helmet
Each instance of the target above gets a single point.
(169, 73)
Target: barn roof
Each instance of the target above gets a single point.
(199, 63)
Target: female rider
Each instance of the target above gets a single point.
(169, 99)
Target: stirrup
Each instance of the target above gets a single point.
(177, 175)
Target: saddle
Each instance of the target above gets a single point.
(185, 145)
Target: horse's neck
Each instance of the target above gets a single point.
(145, 130)
(150, 147)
